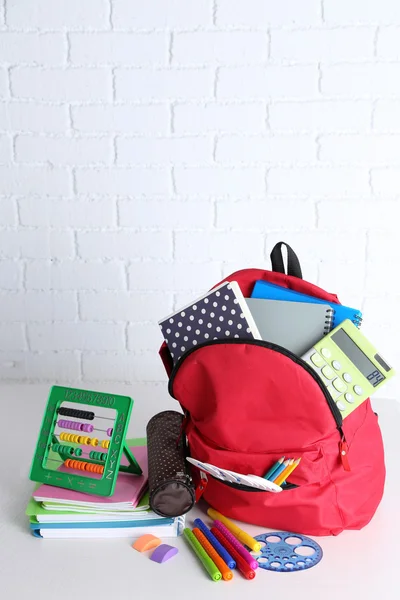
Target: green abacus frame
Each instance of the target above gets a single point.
(89, 485)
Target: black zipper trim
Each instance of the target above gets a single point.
(331, 403)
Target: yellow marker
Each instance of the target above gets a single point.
(283, 477)
(239, 534)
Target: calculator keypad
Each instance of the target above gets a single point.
(336, 382)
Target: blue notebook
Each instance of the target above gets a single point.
(271, 291)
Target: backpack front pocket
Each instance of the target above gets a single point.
(308, 504)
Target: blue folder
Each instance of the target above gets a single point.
(271, 291)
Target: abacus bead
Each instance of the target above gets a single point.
(94, 442)
(87, 427)
(104, 456)
(78, 451)
(109, 431)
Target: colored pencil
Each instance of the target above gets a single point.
(284, 476)
(274, 468)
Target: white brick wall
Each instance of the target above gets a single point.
(147, 149)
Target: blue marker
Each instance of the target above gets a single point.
(274, 468)
(215, 543)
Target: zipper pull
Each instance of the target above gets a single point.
(344, 449)
(201, 486)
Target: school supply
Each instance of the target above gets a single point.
(127, 492)
(163, 553)
(288, 471)
(271, 291)
(247, 402)
(226, 573)
(241, 550)
(269, 474)
(349, 366)
(283, 470)
(285, 552)
(221, 313)
(226, 557)
(294, 325)
(171, 487)
(241, 480)
(239, 534)
(202, 555)
(91, 463)
(146, 542)
(241, 564)
(280, 469)
(42, 514)
(166, 528)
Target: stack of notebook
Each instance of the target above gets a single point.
(273, 313)
(56, 512)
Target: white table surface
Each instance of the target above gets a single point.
(357, 564)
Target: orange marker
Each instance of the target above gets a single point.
(213, 554)
(287, 472)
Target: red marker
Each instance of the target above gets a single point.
(241, 564)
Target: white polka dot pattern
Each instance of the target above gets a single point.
(219, 315)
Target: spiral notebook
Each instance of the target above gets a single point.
(296, 326)
(271, 291)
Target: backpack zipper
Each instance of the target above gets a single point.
(343, 447)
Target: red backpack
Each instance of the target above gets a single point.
(249, 402)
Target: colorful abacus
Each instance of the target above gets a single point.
(56, 447)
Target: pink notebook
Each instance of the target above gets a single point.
(128, 489)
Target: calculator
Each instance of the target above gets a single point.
(349, 365)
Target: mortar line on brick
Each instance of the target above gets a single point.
(170, 48)
(375, 42)
(318, 148)
(173, 181)
(80, 364)
(373, 111)
(215, 88)
(316, 214)
(214, 12)
(172, 118)
(110, 14)
(68, 39)
(267, 118)
(126, 341)
(74, 182)
(319, 78)
(322, 11)
(76, 246)
(4, 10)
(113, 84)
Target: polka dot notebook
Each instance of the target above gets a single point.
(221, 313)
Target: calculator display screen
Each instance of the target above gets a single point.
(357, 357)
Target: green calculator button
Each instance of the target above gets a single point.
(328, 372)
(339, 385)
(317, 359)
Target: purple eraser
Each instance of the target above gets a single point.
(163, 553)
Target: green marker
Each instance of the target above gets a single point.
(202, 555)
